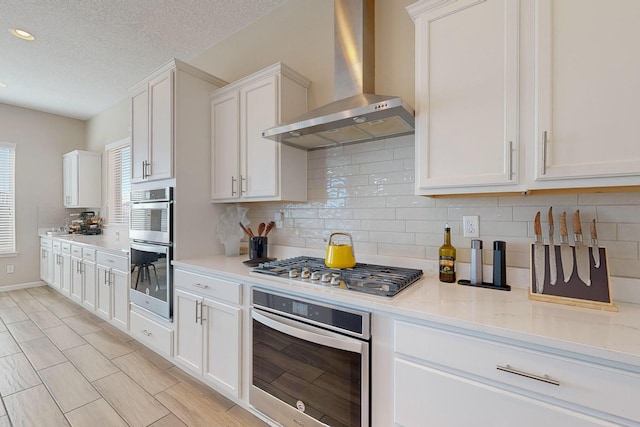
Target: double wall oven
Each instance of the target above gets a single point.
(151, 250)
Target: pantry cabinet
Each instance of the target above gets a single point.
(503, 384)
(466, 96)
(163, 113)
(514, 96)
(208, 328)
(82, 175)
(587, 87)
(244, 165)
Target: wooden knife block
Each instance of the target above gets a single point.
(574, 292)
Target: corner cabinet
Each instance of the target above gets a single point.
(587, 87)
(466, 96)
(81, 176)
(244, 165)
(161, 113)
(503, 383)
(208, 321)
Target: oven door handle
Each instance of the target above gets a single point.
(308, 333)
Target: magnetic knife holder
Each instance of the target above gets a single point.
(575, 291)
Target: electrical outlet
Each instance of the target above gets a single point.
(10, 269)
(471, 226)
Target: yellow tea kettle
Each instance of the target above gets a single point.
(340, 255)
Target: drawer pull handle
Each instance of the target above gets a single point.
(544, 379)
(145, 332)
(198, 285)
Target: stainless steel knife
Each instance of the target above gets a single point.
(553, 269)
(538, 254)
(566, 253)
(595, 250)
(583, 265)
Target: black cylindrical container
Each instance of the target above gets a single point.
(499, 263)
(258, 247)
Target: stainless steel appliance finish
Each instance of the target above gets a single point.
(357, 115)
(368, 278)
(310, 361)
(151, 250)
(151, 215)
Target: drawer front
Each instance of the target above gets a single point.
(76, 251)
(151, 333)
(46, 243)
(89, 254)
(57, 245)
(114, 261)
(66, 247)
(208, 286)
(594, 386)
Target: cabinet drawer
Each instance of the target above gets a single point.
(117, 262)
(208, 286)
(151, 333)
(46, 243)
(57, 245)
(89, 254)
(591, 385)
(66, 247)
(76, 251)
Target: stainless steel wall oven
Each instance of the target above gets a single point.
(310, 361)
(151, 250)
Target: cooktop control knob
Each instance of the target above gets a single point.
(293, 273)
(315, 275)
(326, 278)
(335, 281)
(305, 274)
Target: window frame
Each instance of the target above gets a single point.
(123, 216)
(12, 248)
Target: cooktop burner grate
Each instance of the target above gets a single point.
(368, 278)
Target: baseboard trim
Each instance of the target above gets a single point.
(22, 286)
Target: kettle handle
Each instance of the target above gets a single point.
(338, 233)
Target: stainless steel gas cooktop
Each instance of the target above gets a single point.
(368, 278)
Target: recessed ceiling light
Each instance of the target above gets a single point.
(2, 84)
(22, 34)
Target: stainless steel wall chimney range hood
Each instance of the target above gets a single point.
(357, 115)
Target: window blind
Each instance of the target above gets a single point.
(119, 182)
(7, 198)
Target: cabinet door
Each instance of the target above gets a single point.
(225, 147)
(424, 393)
(103, 292)
(188, 317)
(161, 137)
(65, 280)
(46, 264)
(70, 180)
(120, 298)
(139, 134)
(89, 285)
(77, 279)
(222, 345)
(259, 156)
(587, 93)
(56, 277)
(466, 97)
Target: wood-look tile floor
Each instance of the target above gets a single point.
(60, 365)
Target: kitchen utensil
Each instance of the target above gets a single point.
(582, 251)
(553, 268)
(261, 229)
(475, 273)
(270, 226)
(595, 250)
(538, 254)
(247, 230)
(566, 254)
(340, 255)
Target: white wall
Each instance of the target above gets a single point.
(41, 139)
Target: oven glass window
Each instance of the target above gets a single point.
(326, 380)
(150, 219)
(149, 273)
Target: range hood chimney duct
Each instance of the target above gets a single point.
(357, 115)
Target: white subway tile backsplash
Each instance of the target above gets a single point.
(368, 190)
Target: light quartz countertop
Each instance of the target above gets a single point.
(613, 336)
(100, 241)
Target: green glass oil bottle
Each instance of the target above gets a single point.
(447, 255)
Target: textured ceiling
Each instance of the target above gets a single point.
(87, 53)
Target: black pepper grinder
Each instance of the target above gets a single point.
(499, 263)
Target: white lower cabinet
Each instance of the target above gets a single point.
(454, 379)
(90, 278)
(61, 278)
(113, 289)
(208, 329)
(46, 260)
(77, 273)
(157, 335)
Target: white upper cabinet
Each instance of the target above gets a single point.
(81, 176)
(466, 96)
(244, 165)
(587, 91)
(162, 113)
